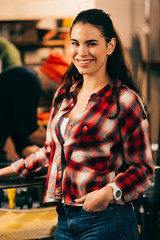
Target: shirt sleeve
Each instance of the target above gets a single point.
(23, 167)
(9, 54)
(137, 152)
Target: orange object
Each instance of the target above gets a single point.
(54, 34)
(49, 35)
(43, 116)
(55, 66)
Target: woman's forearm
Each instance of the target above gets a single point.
(7, 172)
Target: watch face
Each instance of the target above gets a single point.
(118, 194)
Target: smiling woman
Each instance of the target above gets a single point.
(98, 141)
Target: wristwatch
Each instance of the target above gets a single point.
(117, 193)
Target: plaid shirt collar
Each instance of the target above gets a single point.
(102, 94)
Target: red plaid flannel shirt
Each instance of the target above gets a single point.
(91, 155)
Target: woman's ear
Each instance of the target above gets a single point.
(111, 46)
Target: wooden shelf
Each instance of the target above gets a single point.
(51, 43)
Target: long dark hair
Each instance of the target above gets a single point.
(116, 67)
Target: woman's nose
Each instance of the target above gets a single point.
(83, 50)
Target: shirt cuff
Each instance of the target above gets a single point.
(19, 167)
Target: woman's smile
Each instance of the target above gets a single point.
(84, 62)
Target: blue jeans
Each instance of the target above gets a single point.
(116, 222)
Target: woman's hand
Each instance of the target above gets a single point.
(97, 200)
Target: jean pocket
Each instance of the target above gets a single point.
(107, 209)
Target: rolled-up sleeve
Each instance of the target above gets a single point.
(34, 161)
(138, 156)
(137, 152)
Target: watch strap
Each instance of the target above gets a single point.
(117, 193)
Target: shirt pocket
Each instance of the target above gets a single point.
(90, 137)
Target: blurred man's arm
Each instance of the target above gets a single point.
(38, 136)
(38, 139)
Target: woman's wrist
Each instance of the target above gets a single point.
(109, 192)
(7, 172)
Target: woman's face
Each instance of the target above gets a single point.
(88, 49)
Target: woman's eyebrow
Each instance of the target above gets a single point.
(91, 40)
(74, 40)
(88, 41)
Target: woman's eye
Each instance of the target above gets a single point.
(92, 44)
(74, 43)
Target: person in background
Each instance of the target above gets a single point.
(9, 54)
(97, 141)
(20, 90)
